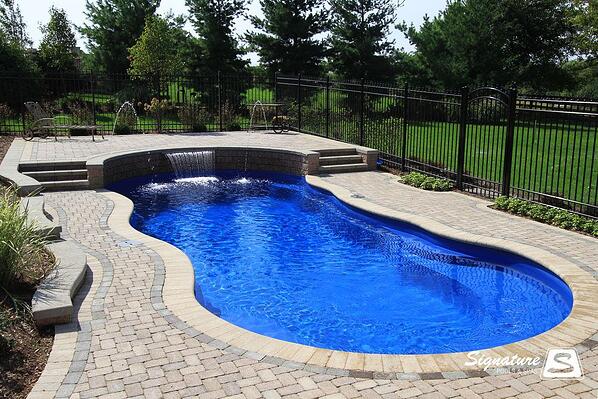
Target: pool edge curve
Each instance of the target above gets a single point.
(178, 296)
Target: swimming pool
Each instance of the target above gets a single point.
(277, 257)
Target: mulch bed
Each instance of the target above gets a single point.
(24, 349)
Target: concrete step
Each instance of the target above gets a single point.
(346, 168)
(51, 165)
(342, 159)
(65, 185)
(332, 152)
(58, 175)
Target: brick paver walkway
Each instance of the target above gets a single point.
(127, 344)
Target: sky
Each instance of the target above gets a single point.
(35, 12)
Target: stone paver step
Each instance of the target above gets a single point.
(64, 185)
(340, 159)
(337, 152)
(346, 168)
(58, 175)
(51, 165)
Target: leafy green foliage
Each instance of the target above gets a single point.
(585, 18)
(156, 52)
(545, 214)
(217, 48)
(286, 39)
(113, 27)
(360, 44)
(425, 182)
(21, 247)
(12, 24)
(480, 41)
(58, 49)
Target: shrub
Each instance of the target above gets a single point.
(21, 247)
(546, 214)
(126, 122)
(230, 119)
(424, 182)
(157, 109)
(194, 117)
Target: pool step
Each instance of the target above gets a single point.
(341, 160)
(41, 166)
(336, 152)
(65, 185)
(347, 168)
(57, 175)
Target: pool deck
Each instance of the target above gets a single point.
(127, 342)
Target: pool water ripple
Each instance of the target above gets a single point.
(277, 257)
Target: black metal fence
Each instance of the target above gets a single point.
(489, 141)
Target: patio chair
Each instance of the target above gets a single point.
(44, 124)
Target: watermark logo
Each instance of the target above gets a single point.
(507, 362)
(562, 363)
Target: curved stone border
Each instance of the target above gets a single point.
(36, 213)
(52, 301)
(178, 296)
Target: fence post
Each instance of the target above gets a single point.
(462, 136)
(20, 83)
(508, 155)
(220, 122)
(404, 130)
(299, 102)
(93, 97)
(276, 95)
(361, 112)
(327, 105)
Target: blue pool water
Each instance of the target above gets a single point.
(277, 257)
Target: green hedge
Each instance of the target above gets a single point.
(424, 182)
(546, 214)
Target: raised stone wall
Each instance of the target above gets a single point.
(112, 168)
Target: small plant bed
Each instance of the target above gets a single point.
(425, 182)
(24, 262)
(549, 215)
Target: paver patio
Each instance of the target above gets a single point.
(126, 343)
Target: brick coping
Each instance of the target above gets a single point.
(178, 296)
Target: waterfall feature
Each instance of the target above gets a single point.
(192, 164)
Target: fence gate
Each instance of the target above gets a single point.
(486, 141)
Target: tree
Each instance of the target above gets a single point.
(113, 27)
(156, 52)
(360, 45)
(286, 40)
(216, 49)
(12, 24)
(585, 19)
(16, 62)
(500, 42)
(58, 48)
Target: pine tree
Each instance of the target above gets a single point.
(216, 49)
(360, 45)
(287, 38)
(113, 27)
(58, 48)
